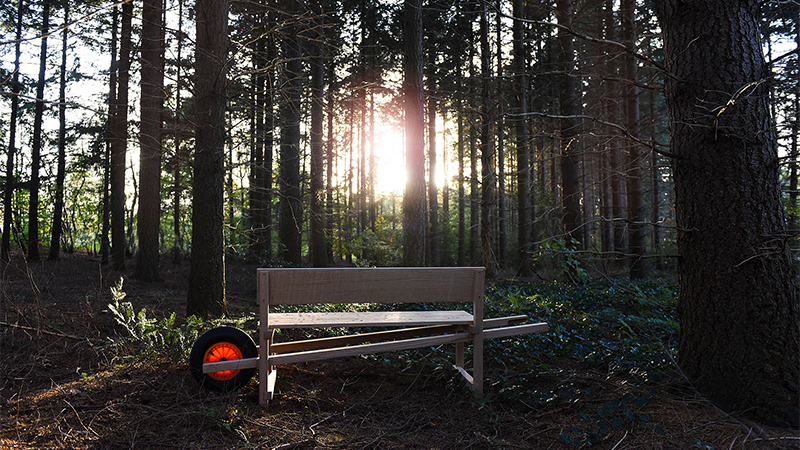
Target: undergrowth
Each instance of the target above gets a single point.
(151, 338)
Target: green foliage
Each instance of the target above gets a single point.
(155, 337)
(618, 413)
(623, 326)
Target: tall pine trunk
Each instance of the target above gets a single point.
(61, 164)
(523, 153)
(152, 102)
(8, 194)
(569, 109)
(206, 296)
(36, 145)
(414, 198)
(319, 254)
(291, 210)
(119, 143)
(633, 166)
(738, 304)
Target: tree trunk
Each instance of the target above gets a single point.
(502, 239)
(291, 211)
(152, 103)
(433, 193)
(177, 251)
(36, 146)
(738, 306)
(633, 169)
(525, 268)
(319, 255)
(8, 194)
(119, 143)
(569, 109)
(488, 175)
(105, 244)
(61, 165)
(414, 198)
(206, 296)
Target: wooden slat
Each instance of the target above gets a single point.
(372, 285)
(312, 355)
(466, 375)
(235, 364)
(516, 330)
(369, 319)
(264, 336)
(503, 321)
(361, 338)
(405, 344)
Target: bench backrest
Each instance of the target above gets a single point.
(371, 285)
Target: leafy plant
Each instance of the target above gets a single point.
(156, 336)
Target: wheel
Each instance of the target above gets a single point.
(222, 344)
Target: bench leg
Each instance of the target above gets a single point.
(267, 374)
(477, 364)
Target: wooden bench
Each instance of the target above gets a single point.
(407, 329)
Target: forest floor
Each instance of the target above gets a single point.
(71, 378)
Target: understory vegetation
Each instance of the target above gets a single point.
(99, 363)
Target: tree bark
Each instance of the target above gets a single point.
(8, 194)
(319, 255)
(738, 305)
(569, 109)
(524, 266)
(206, 296)
(119, 143)
(36, 145)
(152, 103)
(488, 162)
(105, 244)
(414, 198)
(61, 164)
(635, 183)
(291, 210)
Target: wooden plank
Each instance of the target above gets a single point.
(369, 319)
(372, 285)
(234, 364)
(339, 341)
(264, 336)
(516, 330)
(477, 334)
(380, 347)
(271, 379)
(503, 321)
(466, 375)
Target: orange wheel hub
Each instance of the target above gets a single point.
(222, 351)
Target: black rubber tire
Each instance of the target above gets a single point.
(237, 338)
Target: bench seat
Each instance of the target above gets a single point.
(369, 319)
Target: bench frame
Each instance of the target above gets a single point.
(408, 329)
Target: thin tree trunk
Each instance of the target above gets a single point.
(525, 268)
(152, 104)
(414, 198)
(502, 244)
(105, 243)
(36, 147)
(433, 194)
(318, 251)
(206, 296)
(8, 194)
(58, 211)
(291, 212)
(119, 143)
(569, 101)
(739, 312)
(635, 183)
(177, 251)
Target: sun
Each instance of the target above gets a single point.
(390, 171)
